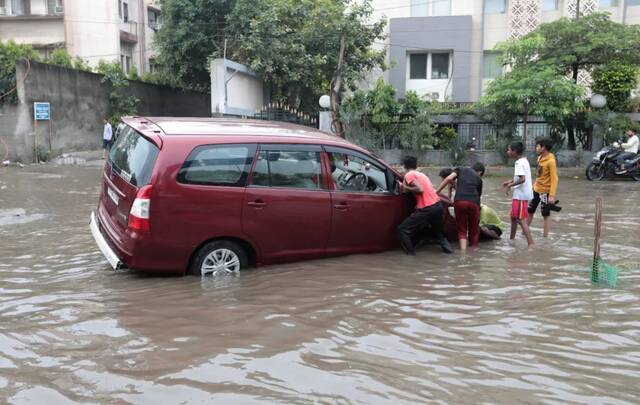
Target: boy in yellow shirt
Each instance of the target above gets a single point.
(546, 186)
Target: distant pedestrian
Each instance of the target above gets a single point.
(428, 213)
(522, 191)
(545, 188)
(466, 203)
(107, 135)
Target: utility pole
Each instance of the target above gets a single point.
(577, 9)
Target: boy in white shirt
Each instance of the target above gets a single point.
(522, 191)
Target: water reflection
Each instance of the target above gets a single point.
(506, 324)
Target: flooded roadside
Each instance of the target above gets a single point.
(505, 325)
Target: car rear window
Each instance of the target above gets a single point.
(218, 165)
(133, 157)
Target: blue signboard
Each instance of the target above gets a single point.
(41, 111)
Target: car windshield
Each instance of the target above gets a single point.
(133, 157)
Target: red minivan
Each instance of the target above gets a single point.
(214, 196)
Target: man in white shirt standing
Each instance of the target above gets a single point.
(107, 134)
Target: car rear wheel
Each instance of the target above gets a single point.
(219, 258)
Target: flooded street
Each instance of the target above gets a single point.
(505, 325)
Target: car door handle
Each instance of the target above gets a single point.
(257, 204)
(342, 206)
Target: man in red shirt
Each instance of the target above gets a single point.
(428, 213)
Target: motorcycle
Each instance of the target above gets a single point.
(604, 164)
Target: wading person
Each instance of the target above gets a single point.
(522, 191)
(466, 203)
(107, 134)
(546, 186)
(428, 213)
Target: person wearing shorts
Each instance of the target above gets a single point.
(522, 191)
(546, 186)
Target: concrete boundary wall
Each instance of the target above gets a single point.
(79, 101)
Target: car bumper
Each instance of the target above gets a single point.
(103, 245)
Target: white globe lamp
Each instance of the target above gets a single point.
(325, 101)
(598, 101)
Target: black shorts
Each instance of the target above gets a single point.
(537, 199)
(105, 144)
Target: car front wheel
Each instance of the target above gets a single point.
(219, 258)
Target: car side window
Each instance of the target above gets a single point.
(288, 168)
(218, 165)
(353, 173)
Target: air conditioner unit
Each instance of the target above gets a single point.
(59, 10)
(3, 11)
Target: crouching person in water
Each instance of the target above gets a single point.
(428, 213)
(491, 226)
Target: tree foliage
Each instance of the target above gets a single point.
(376, 120)
(531, 91)
(61, 57)
(116, 80)
(615, 81)
(10, 53)
(192, 31)
(292, 44)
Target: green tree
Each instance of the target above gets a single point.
(299, 47)
(569, 45)
(615, 81)
(120, 104)
(10, 53)
(531, 91)
(191, 33)
(61, 57)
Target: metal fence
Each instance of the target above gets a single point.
(478, 133)
(284, 113)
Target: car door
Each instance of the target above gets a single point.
(366, 204)
(287, 205)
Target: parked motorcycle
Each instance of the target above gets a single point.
(604, 164)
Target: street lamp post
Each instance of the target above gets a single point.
(597, 101)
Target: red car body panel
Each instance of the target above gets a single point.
(279, 224)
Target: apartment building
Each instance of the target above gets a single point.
(112, 30)
(444, 49)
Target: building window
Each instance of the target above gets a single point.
(424, 8)
(125, 12)
(154, 19)
(495, 6)
(440, 66)
(613, 3)
(441, 7)
(419, 8)
(550, 5)
(418, 66)
(153, 65)
(633, 2)
(491, 65)
(120, 8)
(54, 7)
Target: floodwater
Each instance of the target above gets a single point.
(506, 325)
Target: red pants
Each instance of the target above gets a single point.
(468, 221)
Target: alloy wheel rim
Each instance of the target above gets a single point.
(220, 262)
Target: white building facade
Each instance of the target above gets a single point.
(444, 49)
(94, 30)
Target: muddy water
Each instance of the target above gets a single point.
(504, 325)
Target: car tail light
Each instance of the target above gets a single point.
(139, 214)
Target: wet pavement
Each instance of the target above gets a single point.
(505, 325)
